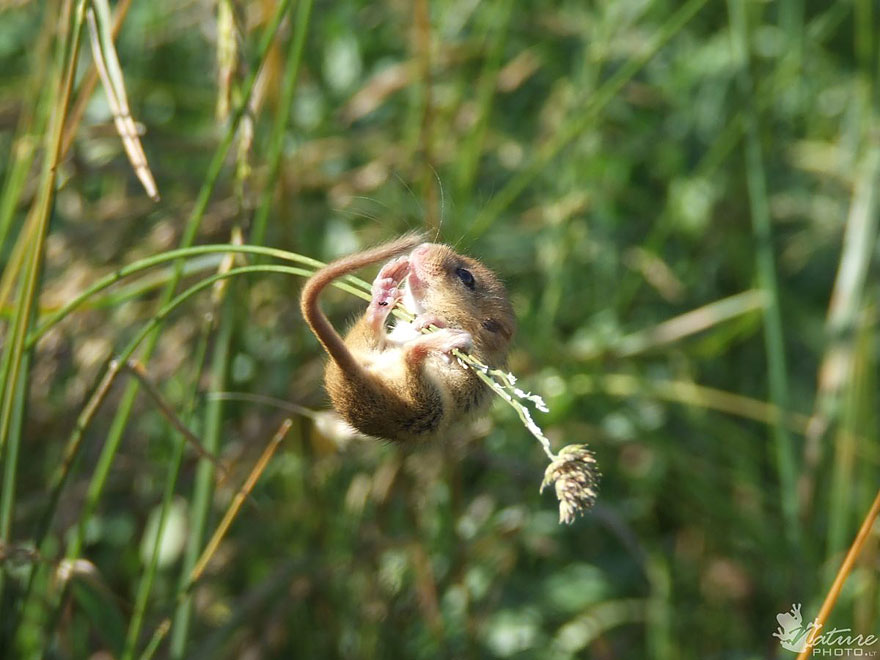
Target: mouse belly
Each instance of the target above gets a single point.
(387, 400)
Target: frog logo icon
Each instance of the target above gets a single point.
(792, 633)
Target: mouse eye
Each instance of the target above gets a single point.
(492, 325)
(466, 277)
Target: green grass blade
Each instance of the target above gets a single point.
(204, 485)
(10, 467)
(32, 122)
(847, 299)
(146, 583)
(468, 158)
(577, 125)
(120, 420)
(777, 375)
(34, 257)
(276, 139)
(171, 256)
(110, 72)
(14, 376)
(175, 461)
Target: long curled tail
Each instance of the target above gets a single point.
(324, 331)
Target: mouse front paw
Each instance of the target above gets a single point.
(395, 270)
(386, 291)
(424, 321)
(455, 339)
(443, 341)
(447, 340)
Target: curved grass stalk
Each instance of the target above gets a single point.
(146, 283)
(73, 444)
(500, 382)
(120, 420)
(174, 256)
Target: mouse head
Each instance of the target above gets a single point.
(464, 294)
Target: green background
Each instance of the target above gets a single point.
(681, 200)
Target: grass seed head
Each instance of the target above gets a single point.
(574, 473)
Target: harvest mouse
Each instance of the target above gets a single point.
(403, 385)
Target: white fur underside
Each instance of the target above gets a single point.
(389, 363)
(401, 333)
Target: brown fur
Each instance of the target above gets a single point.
(407, 389)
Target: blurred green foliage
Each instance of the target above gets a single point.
(617, 213)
